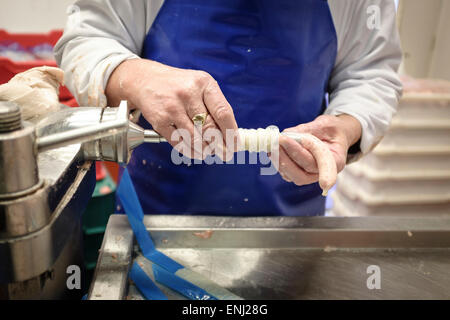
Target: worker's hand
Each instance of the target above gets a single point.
(170, 97)
(297, 165)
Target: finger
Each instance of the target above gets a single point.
(198, 107)
(216, 144)
(293, 172)
(325, 161)
(279, 165)
(219, 108)
(301, 156)
(208, 144)
(322, 127)
(176, 141)
(195, 106)
(197, 144)
(170, 124)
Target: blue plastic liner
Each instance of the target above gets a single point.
(180, 285)
(164, 268)
(133, 209)
(145, 284)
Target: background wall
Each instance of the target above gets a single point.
(425, 33)
(33, 15)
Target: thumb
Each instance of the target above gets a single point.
(310, 127)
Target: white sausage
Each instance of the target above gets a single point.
(263, 140)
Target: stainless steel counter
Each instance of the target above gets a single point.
(289, 257)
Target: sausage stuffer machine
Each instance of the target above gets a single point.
(46, 181)
(47, 177)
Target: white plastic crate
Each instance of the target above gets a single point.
(424, 107)
(422, 122)
(407, 138)
(375, 188)
(344, 206)
(408, 173)
(406, 163)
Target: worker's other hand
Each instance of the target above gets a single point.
(296, 164)
(170, 97)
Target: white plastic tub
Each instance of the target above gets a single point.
(428, 107)
(402, 166)
(408, 173)
(346, 207)
(407, 138)
(374, 188)
(406, 162)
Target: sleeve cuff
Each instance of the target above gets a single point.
(367, 142)
(100, 76)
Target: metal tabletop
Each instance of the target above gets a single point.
(289, 257)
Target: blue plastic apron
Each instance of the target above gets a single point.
(272, 60)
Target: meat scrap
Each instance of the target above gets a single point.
(204, 234)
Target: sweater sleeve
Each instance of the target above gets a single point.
(99, 35)
(364, 82)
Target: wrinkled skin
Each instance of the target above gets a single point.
(170, 97)
(297, 164)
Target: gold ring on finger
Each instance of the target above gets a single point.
(199, 119)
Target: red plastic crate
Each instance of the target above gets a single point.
(9, 68)
(100, 171)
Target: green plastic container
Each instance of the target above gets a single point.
(92, 244)
(95, 218)
(100, 207)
